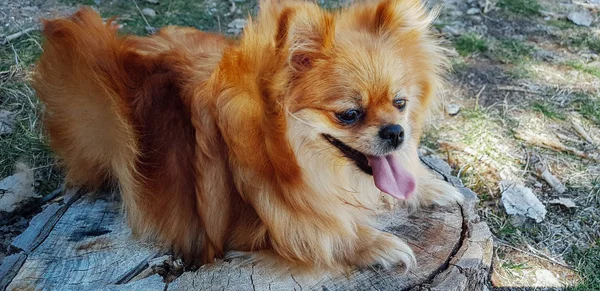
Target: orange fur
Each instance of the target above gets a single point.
(217, 145)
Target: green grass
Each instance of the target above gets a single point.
(581, 39)
(521, 7)
(21, 52)
(469, 44)
(548, 110)
(520, 71)
(587, 264)
(458, 65)
(588, 106)
(594, 71)
(512, 51)
(204, 15)
(515, 267)
(562, 24)
(26, 144)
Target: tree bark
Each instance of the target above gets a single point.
(85, 244)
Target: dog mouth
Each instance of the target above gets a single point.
(388, 171)
(360, 160)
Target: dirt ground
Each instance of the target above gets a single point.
(524, 79)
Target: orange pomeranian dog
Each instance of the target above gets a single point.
(282, 143)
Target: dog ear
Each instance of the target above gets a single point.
(307, 33)
(393, 15)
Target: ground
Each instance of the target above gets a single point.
(522, 74)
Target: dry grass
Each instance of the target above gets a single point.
(27, 143)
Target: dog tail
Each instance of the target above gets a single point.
(81, 82)
(115, 111)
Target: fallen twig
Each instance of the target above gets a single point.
(579, 129)
(516, 89)
(568, 138)
(544, 173)
(542, 257)
(543, 142)
(16, 35)
(478, 95)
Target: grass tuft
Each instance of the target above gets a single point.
(512, 51)
(521, 7)
(469, 44)
(588, 106)
(594, 71)
(26, 143)
(587, 263)
(548, 110)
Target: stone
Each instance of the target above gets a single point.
(473, 11)
(453, 109)
(16, 189)
(236, 26)
(7, 122)
(155, 2)
(581, 18)
(520, 200)
(451, 30)
(566, 202)
(546, 278)
(149, 12)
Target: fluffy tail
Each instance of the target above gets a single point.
(113, 110)
(78, 78)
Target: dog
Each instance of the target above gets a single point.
(285, 142)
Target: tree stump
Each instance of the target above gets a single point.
(85, 244)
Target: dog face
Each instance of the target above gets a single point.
(363, 86)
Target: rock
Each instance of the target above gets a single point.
(7, 122)
(236, 26)
(159, 261)
(451, 30)
(589, 56)
(476, 18)
(150, 29)
(454, 14)
(520, 200)
(149, 12)
(453, 108)
(581, 18)
(546, 278)
(473, 11)
(566, 202)
(239, 1)
(155, 2)
(16, 189)
(547, 13)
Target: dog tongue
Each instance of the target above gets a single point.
(391, 177)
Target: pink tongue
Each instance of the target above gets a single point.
(391, 177)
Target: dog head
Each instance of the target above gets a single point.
(360, 84)
(344, 89)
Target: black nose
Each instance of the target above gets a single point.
(393, 134)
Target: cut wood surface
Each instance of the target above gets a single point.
(83, 243)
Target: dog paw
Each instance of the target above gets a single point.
(432, 191)
(386, 251)
(441, 193)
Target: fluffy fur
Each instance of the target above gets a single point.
(219, 145)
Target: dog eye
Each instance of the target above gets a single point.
(400, 104)
(349, 117)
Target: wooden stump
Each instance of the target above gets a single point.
(85, 244)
